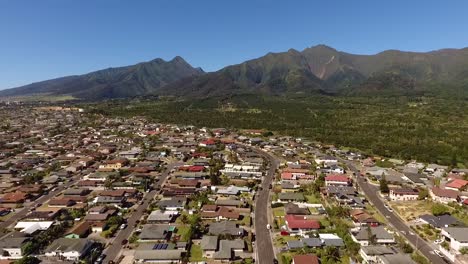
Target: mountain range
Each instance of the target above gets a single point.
(319, 69)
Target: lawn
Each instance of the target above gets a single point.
(184, 232)
(282, 240)
(196, 253)
(245, 221)
(313, 199)
(279, 211)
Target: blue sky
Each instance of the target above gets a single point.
(52, 38)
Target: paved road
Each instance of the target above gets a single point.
(371, 193)
(263, 242)
(19, 214)
(113, 251)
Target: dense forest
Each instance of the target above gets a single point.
(422, 128)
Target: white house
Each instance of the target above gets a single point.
(457, 237)
(403, 194)
(69, 248)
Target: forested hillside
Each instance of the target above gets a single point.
(427, 129)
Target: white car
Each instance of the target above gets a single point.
(438, 241)
(123, 226)
(268, 226)
(438, 253)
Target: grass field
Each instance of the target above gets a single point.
(196, 253)
(410, 210)
(278, 211)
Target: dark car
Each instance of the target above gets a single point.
(125, 241)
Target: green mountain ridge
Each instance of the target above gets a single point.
(135, 80)
(319, 69)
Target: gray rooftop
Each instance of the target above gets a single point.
(225, 227)
(209, 243)
(458, 233)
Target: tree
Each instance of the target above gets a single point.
(423, 194)
(440, 209)
(330, 255)
(28, 260)
(384, 185)
(28, 248)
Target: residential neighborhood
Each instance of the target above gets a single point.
(77, 187)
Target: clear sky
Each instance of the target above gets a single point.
(52, 38)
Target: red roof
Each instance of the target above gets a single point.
(286, 176)
(444, 193)
(457, 184)
(298, 222)
(337, 178)
(305, 259)
(208, 142)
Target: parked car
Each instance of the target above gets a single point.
(438, 241)
(438, 253)
(123, 226)
(125, 241)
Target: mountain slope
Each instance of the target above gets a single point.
(319, 69)
(326, 70)
(129, 81)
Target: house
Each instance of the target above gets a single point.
(439, 221)
(159, 217)
(337, 180)
(300, 225)
(332, 240)
(394, 258)
(368, 236)
(31, 227)
(294, 209)
(291, 197)
(369, 254)
(69, 248)
(115, 164)
(209, 245)
(61, 202)
(14, 198)
(226, 213)
(415, 178)
(320, 159)
(80, 230)
(42, 215)
(229, 249)
(362, 218)
(169, 256)
(152, 232)
(403, 194)
(444, 195)
(225, 228)
(173, 204)
(76, 192)
(233, 190)
(305, 259)
(457, 185)
(457, 237)
(11, 245)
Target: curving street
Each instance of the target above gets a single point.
(264, 245)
